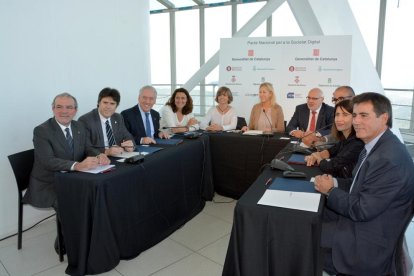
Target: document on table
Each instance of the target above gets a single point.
(253, 132)
(292, 194)
(127, 154)
(100, 169)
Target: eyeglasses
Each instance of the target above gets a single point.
(334, 100)
(312, 98)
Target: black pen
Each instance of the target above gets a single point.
(268, 181)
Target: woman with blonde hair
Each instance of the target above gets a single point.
(267, 115)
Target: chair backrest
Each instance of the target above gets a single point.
(22, 164)
(241, 122)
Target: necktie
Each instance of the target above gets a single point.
(361, 159)
(109, 134)
(147, 125)
(69, 140)
(312, 126)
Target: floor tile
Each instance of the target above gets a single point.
(223, 208)
(26, 261)
(201, 231)
(40, 229)
(3, 271)
(154, 259)
(193, 265)
(216, 251)
(59, 270)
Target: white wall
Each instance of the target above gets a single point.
(48, 47)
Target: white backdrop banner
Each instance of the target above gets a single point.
(294, 65)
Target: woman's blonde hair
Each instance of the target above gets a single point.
(270, 88)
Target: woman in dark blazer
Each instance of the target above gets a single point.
(340, 159)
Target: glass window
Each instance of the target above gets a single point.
(284, 23)
(187, 44)
(217, 25)
(160, 48)
(398, 55)
(247, 11)
(366, 15)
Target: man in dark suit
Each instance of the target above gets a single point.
(141, 120)
(310, 117)
(365, 215)
(60, 144)
(106, 128)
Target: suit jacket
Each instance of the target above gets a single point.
(135, 124)
(278, 121)
(300, 119)
(92, 122)
(52, 154)
(370, 219)
(343, 157)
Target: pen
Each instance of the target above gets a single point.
(268, 181)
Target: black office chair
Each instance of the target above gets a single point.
(400, 258)
(241, 122)
(22, 164)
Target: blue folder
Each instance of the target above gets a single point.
(297, 159)
(293, 185)
(172, 141)
(148, 149)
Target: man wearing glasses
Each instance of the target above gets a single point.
(342, 93)
(313, 119)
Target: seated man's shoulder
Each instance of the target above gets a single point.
(153, 111)
(87, 115)
(128, 111)
(328, 107)
(303, 106)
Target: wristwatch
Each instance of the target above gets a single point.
(329, 191)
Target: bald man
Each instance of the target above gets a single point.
(312, 119)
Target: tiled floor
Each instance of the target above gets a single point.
(197, 249)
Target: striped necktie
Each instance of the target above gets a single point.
(109, 134)
(361, 159)
(69, 140)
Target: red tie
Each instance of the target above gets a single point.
(313, 122)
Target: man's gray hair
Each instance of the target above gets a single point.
(63, 95)
(148, 87)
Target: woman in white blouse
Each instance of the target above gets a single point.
(223, 116)
(176, 114)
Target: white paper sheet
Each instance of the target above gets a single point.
(100, 169)
(253, 132)
(291, 200)
(127, 154)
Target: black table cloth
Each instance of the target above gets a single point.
(117, 215)
(237, 160)
(270, 241)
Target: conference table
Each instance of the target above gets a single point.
(268, 240)
(237, 160)
(117, 215)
